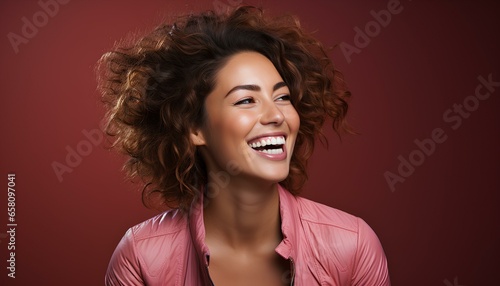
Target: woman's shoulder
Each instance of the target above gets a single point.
(326, 216)
(345, 239)
(164, 224)
(148, 248)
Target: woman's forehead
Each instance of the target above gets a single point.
(247, 69)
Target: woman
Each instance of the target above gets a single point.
(218, 115)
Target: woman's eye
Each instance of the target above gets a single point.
(245, 101)
(284, 98)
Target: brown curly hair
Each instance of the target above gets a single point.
(155, 87)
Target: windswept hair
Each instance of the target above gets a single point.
(154, 91)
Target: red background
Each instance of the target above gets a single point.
(441, 226)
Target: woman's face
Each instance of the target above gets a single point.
(251, 125)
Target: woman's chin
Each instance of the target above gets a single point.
(275, 178)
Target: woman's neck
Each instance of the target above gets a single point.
(244, 216)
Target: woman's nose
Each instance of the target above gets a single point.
(271, 114)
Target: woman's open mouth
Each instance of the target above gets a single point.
(269, 145)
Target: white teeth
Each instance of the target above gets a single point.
(270, 141)
(272, 151)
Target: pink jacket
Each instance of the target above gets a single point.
(325, 246)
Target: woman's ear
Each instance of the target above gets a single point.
(197, 137)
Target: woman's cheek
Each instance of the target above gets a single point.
(241, 126)
(243, 122)
(293, 117)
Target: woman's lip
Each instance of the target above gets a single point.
(273, 157)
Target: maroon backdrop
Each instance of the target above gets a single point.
(423, 172)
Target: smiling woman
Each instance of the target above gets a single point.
(241, 96)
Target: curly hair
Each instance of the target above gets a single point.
(154, 90)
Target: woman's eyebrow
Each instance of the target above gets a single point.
(251, 87)
(254, 87)
(279, 85)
